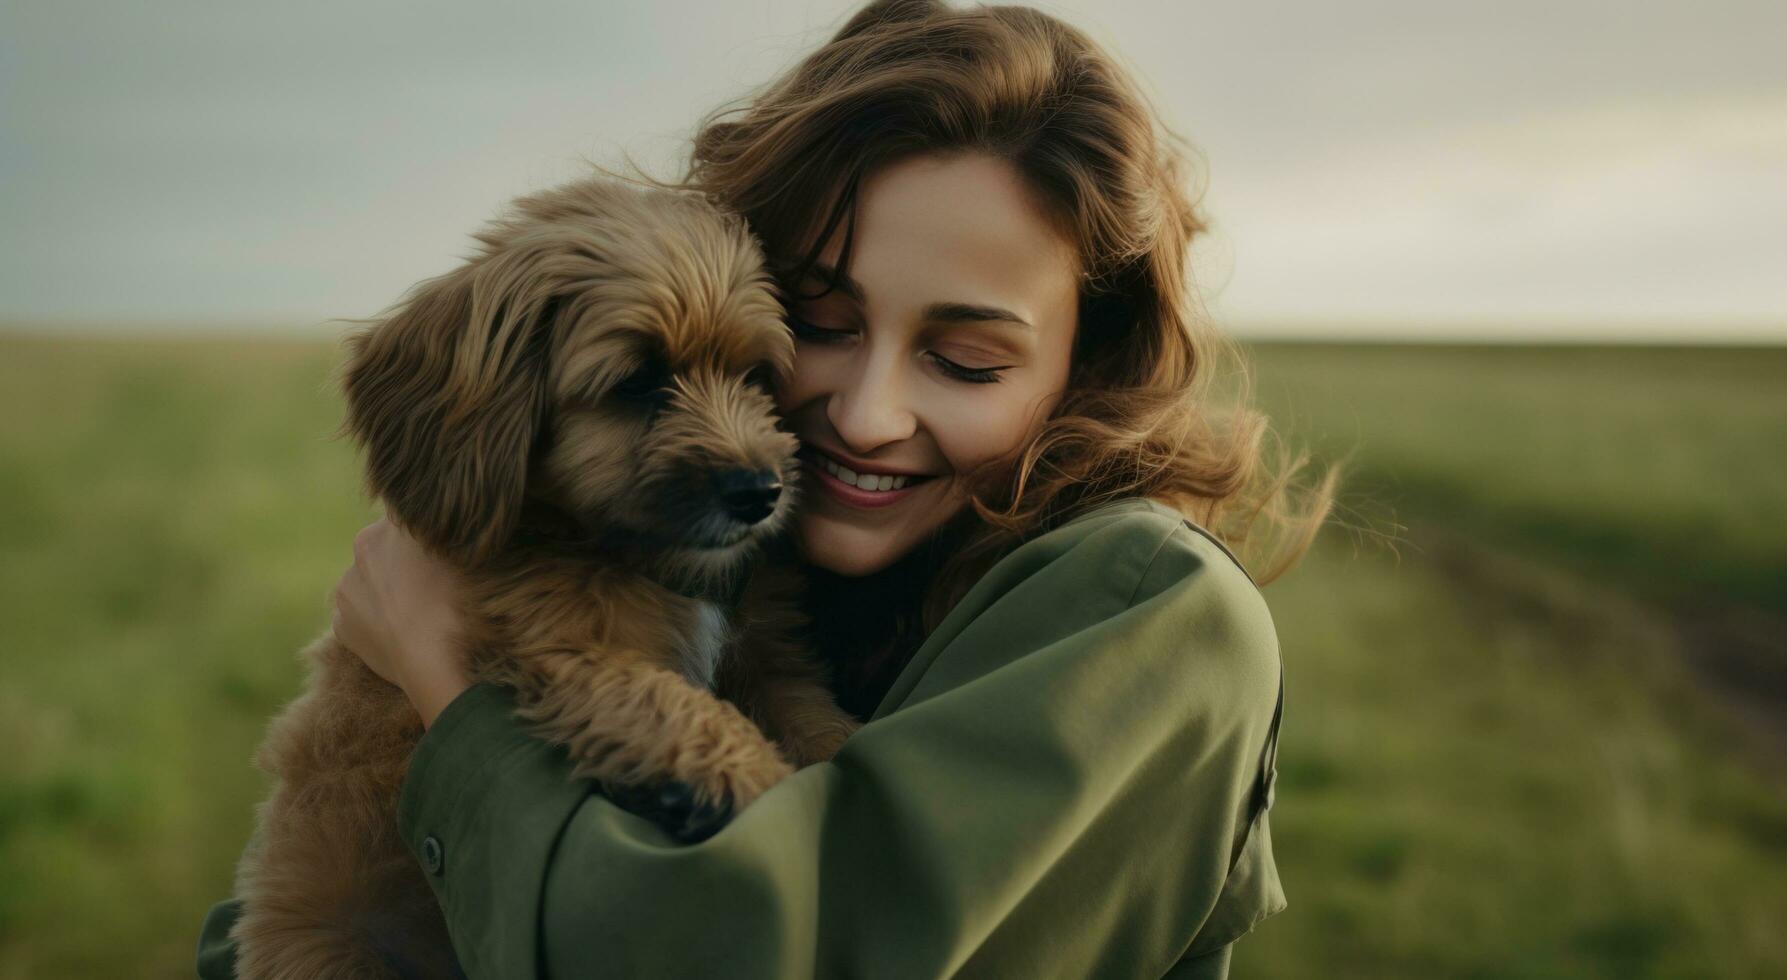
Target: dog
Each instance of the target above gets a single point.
(579, 417)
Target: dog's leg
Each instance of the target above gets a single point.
(784, 690)
(809, 725)
(328, 889)
(778, 681)
(629, 723)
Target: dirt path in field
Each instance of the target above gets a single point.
(1741, 654)
(1734, 655)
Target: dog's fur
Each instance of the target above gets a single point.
(577, 417)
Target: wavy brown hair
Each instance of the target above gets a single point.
(1149, 410)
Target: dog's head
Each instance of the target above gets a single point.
(607, 353)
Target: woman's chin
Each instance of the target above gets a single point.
(844, 549)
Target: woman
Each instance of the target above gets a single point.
(1072, 691)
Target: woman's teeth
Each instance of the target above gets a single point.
(862, 481)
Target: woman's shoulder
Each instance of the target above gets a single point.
(1137, 560)
(1129, 558)
(1140, 545)
(1140, 517)
(1129, 588)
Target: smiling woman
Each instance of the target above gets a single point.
(1021, 503)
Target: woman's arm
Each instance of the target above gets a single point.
(1059, 784)
(1065, 781)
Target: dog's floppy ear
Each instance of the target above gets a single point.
(446, 396)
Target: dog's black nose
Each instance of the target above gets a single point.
(749, 495)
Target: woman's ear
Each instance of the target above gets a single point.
(446, 396)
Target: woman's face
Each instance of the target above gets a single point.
(948, 348)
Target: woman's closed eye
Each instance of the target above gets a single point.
(810, 332)
(962, 372)
(806, 331)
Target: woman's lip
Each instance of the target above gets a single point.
(859, 467)
(856, 496)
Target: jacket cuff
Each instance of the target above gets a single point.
(482, 806)
(217, 953)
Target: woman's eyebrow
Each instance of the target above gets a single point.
(945, 312)
(970, 313)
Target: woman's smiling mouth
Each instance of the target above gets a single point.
(861, 489)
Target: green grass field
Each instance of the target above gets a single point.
(1500, 758)
(1654, 468)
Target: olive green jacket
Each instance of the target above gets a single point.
(1070, 778)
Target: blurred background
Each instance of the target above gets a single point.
(1523, 260)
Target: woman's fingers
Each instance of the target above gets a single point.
(371, 541)
(395, 606)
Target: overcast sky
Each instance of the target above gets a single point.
(1375, 166)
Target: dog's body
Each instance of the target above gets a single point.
(568, 417)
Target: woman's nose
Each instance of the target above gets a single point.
(870, 411)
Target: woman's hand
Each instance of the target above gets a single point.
(397, 609)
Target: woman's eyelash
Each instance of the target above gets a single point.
(812, 332)
(979, 376)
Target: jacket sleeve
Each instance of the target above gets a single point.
(217, 955)
(1060, 783)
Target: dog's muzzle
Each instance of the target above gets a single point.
(748, 496)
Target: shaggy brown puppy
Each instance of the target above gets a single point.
(578, 417)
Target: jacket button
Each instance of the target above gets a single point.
(433, 854)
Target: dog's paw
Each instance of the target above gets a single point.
(671, 805)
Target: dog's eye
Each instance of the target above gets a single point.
(648, 384)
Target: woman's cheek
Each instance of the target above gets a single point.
(977, 432)
(804, 383)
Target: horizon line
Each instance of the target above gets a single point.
(1725, 331)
